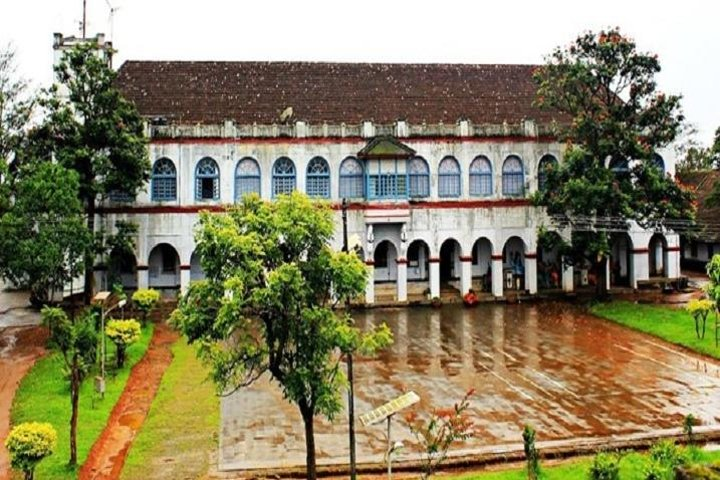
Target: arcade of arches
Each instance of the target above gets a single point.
(400, 270)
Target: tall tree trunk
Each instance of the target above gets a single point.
(601, 290)
(308, 416)
(89, 256)
(74, 398)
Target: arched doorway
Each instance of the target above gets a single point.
(196, 270)
(549, 261)
(385, 260)
(482, 265)
(514, 264)
(122, 270)
(418, 254)
(164, 267)
(657, 251)
(450, 260)
(620, 260)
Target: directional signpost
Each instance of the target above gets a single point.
(386, 412)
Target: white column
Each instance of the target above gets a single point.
(370, 287)
(497, 275)
(465, 274)
(531, 273)
(568, 278)
(640, 267)
(143, 276)
(402, 280)
(434, 277)
(672, 268)
(184, 278)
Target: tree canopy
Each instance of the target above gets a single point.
(266, 304)
(614, 121)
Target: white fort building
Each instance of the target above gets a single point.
(436, 162)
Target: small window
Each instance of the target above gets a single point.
(352, 179)
(513, 177)
(247, 178)
(449, 183)
(481, 183)
(547, 162)
(163, 183)
(419, 177)
(317, 181)
(283, 179)
(619, 165)
(207, 180)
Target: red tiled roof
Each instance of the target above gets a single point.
(247, 92)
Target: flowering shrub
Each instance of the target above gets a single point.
(122, 333)
(145, 300)
(28, 443)
(443, 428)
(699, 309)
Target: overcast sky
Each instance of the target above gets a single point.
(685, 34)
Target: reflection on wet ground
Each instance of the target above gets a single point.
(551, 365)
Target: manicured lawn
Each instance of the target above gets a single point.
(632, 467)
(674, 325)
(180, 431)
(44, 396)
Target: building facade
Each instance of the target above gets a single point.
(436, 164)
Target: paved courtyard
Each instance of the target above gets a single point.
(569, 374)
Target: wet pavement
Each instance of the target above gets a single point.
(569, 374)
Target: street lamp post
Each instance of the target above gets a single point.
(101, 298)
(351, 392)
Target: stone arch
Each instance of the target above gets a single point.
(514, 251)
(657, 255)
(482, 251)
(196, 270)
(549, 262)
(122, 269)
(418, 257)
(621, 260)
(385, 258)
(164, 267)
(450, 253)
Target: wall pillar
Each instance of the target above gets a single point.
(143, 276)
(568, 278)
(497, 275)
(640, 266)
(465, 274)
(402, 279)
(184, 278)
(370, 286)
(434, 277)
(531, 273)
(672, 268)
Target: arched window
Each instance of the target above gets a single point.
(481, 183)
(547, 162)
(283, 176)
(247, 178)
(419, 177)
(513, 177)
(207, 180)
(163, 183)
(352, 181)
(317, 180)
(449, 183)
(659, 163)
(619, 164)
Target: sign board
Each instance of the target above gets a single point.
(390, 408)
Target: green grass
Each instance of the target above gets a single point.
(632, 467)
(44, 396)
(674, 325)
(181, 428)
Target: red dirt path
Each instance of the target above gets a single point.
(20, 347)
(107, 456)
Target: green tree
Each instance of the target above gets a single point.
(91, 129)
(611, 112)
(28, 443)
(76, 341)
(266, 304)
(42, 234)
